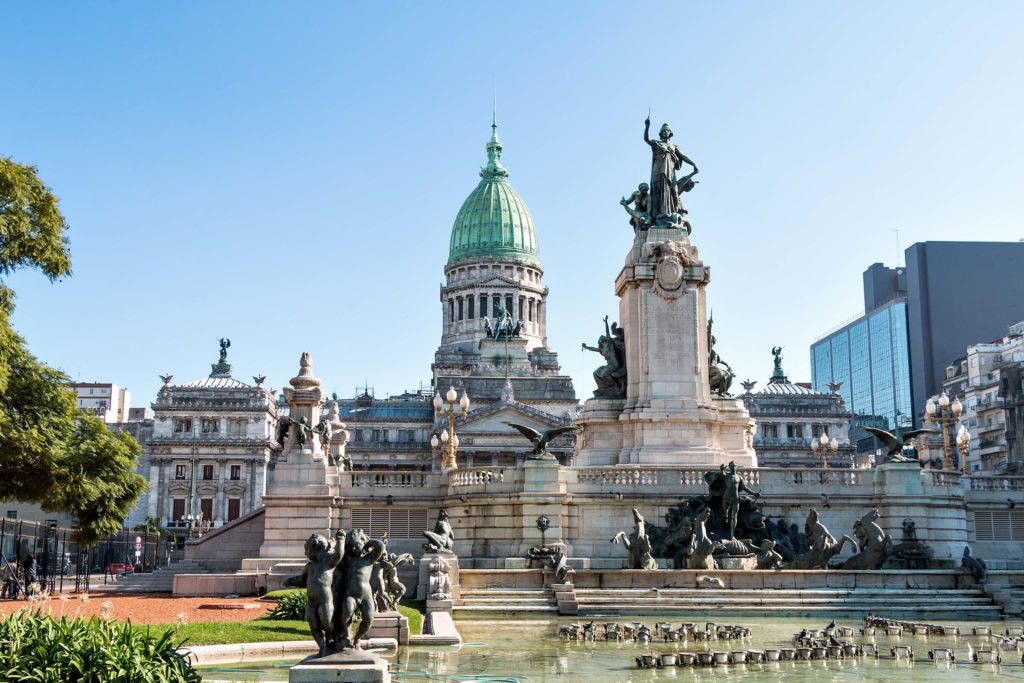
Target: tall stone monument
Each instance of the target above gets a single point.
(676, 408)
(301, 492)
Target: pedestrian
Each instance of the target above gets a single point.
(5, 582)
(31, 568)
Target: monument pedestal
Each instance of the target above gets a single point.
(350, 666)
(423, 584)
(669, 416)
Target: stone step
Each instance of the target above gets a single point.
(504, 601)
(978, 613)
(810, 592)
(507, 609)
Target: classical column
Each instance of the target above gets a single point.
(222, 498)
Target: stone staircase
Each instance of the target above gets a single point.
(155, 582)
(937, 604)
(490, 601)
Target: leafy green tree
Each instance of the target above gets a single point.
(51, 452)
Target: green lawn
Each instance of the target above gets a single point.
(266, 630)
(230, 632)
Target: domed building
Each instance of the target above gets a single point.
(493, 347)
(494, 324)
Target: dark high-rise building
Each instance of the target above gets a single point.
(917, 321)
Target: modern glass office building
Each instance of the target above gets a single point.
(870, 356)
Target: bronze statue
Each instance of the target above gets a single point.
(873, 543)
(777, 353)
(224, 344)
(666, 209)
(735, 486)
(822, 545)
(361, 554)
(318, 579)
(975, 565)
(610, 377)
(323, 428)
(441, 539)
(720, 375)
(895, 444)
(637, 543)
(538, 439)
(639, 215)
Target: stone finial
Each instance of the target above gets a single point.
(334, 417)
(305, 379)
(166, 379)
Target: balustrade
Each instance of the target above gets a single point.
(997, 483)
(475, 476)
(385, 479)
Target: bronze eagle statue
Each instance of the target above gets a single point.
(897, 444)
(539, 439)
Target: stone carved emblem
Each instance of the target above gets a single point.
(670, 261)
(440, 584)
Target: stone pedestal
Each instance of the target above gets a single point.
(544, 493)
(669, 416)
(390, 625)
(302, 490)
(423, 584)
(932, 499)
(350, 666)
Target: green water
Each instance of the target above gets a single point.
(530, 651)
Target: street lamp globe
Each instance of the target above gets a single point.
(929, 408)
(834, 445)
(824, 439)
(943, 400)
(957, 407)
(437, 401)
(444, 435)
(464, 402)
(451, 396)
(433, 441)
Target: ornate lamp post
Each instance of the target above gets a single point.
(963, 442)
(946, 414)
(197, 526)
(448, 445)
(825, 447)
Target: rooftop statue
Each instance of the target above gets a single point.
(666, 209)
(610, 377)
(224, 344)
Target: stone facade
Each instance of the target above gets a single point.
(209, 450)
(789, 416)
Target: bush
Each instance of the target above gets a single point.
(291, 605)
(39, 648)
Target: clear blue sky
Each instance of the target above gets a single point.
(286, 174)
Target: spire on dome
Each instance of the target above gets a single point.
(494, 169)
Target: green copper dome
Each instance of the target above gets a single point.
(494, 223)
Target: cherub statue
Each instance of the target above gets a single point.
(361, 554)
(318, 579)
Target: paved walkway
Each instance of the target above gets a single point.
(148, 608)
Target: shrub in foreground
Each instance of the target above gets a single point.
(41, 649)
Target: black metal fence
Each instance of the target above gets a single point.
(62, 564)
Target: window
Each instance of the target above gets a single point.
(236, 472)
(177, 509)
(234, 508)
(469, 305)
(207, 472)
(770, 431)
(210, 425)
(375, 435)
(451, 310)
(236, 426)
(182, 425)
(522, 305)
(495, 305)
(508, 304)
(359, 435)
(179, 471)
(529, 311)
(206, 507)
(483, 305)
(795, 431)
(12, 514)
(410, 435)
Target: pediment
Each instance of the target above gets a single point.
(497, 280)
(493, 419)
